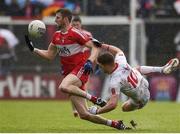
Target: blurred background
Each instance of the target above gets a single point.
(148, 31)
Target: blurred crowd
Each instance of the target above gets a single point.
(36, 8)
(41, 8)
(158, 8)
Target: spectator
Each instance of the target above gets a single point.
(120, 7)
(32, 9)
(99, 7)
(177, 6)
(13, 9)
(69, 4)
(8, 41)
(3, 7)
(177, 42)
(146, 8)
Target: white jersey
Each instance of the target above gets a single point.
(125, 79)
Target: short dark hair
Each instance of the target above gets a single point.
(65, 13)
(105, 58)
(76, 18)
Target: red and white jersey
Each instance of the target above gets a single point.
(87, 33)
(86, 50)
(124, 78)
(70, 47)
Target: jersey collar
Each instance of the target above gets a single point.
(67, 30)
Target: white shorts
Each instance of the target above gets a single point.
(144, 95)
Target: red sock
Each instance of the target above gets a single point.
(114, 124)
(93, 99)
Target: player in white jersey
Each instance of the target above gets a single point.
(128, 80)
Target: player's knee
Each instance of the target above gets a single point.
(84, 115)
(128, 108)
(124, 109)
(63, 88)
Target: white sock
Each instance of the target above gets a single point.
(109, 122)
(150, 69)
(88, 96)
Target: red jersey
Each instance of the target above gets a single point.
(86, 50)
(87, 33)
(70, 47)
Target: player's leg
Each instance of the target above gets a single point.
(171, 66)
(129, 106)
(71, 84)
(141, 100)
(80, 104)
(75, 113)
(145, 70)
(166, 69)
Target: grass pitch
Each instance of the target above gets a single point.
(56, 116)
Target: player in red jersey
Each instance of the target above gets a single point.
(69, 43)
(77, 23)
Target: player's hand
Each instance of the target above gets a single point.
(88, 67)
(96, 42)
(93, 110)
(29, 43)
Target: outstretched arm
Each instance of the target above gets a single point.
(114, 50)
(94, 51)
(48, 54)
(111, 105)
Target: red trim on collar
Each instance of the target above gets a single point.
(116, 66)
(67, 30)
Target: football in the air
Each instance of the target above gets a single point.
(36, 28)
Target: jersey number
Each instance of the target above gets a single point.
(132, 79)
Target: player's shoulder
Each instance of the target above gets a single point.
(57, 33)
(78, 33)
(119, 54)
(56, 36)
(74, 30)
(87, 32)
(120, 57)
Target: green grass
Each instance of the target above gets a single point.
(56, 116)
